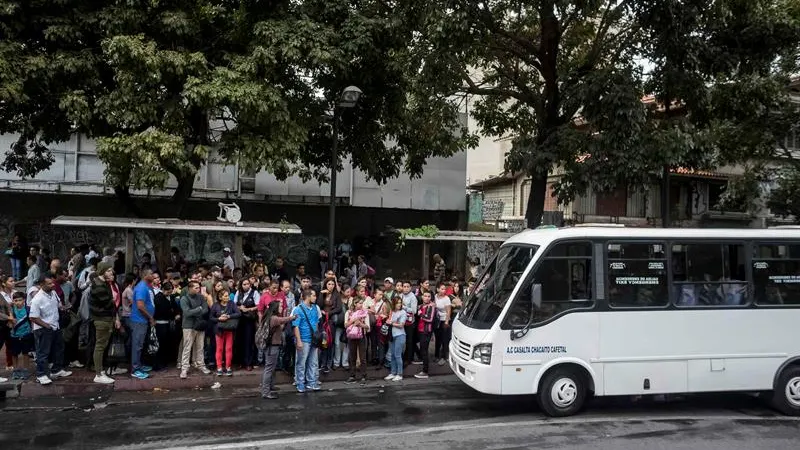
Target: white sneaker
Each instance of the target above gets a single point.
(205, 370)
(117, 371)
(60, 374)
(184, 374)
(44, 380)
(398, 378)
(103, 379)
(76, 365)
(3, 380)
(389, 377)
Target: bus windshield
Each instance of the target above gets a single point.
(495, 285)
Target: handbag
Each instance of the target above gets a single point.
(316, 334)
(229, 324)
(116, 349)
(249, 299)
(152, 346)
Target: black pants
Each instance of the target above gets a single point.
(424, 349)
(442, 345)
(49, 348)
(248, 327)
(164, 349)
(412, 352)
(287, 351)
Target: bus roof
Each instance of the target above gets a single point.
(543, 236)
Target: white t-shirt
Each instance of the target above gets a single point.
(441, 307)
(45, 306)
(228, 262)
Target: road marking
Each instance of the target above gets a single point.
(462, 426)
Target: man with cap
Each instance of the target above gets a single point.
(388, 289)
(227, 261)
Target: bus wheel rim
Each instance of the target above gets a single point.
(565, 392)
(793, 391)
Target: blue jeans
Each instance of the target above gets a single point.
(306, 366)
(138, 336)
(49, 349)
(398, 346)
(16, 268)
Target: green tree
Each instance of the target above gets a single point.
(566, 79)
(162, 85)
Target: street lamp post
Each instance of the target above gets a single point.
(348, 99)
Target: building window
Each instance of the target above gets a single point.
(776, 274)
(637, 274)
(247, 181)
(709, 274)
(564, 279)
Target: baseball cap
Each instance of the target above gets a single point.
(226, 249)
(389, 279)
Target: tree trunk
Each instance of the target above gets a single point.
(182, 194)
(123, 194)
(536, 198)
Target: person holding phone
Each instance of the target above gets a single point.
(397, 321)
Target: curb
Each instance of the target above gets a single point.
(81, 385)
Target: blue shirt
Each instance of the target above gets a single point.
(142, 292)
(302, 324)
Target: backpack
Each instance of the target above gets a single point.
(264, 334)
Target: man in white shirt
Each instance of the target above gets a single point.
(47, 334)
(227, 261)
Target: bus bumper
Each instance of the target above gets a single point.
(477, 376)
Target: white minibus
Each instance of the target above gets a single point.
(569, 313)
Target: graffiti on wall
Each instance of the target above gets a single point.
(481, 252)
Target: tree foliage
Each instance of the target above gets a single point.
(566, 80)
(164, 85)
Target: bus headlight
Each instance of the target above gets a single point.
(482, 353)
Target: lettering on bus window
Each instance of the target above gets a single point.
(776, 274)
(709, 274)
(565, 274)
(637, 274)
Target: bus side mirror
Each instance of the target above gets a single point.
(536, 296)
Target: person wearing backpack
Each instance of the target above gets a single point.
(356, 321)
(425, 326)
(273, 315)
(308, 340)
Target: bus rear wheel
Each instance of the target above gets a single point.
(562, 393)
(786, 396)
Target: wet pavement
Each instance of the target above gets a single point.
(439, 413)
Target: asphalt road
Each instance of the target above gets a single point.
(439, 413)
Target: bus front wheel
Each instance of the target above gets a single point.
(562, 393)
(786, 396)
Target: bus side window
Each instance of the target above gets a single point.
(565, 275)
(637, 274)
(776, 274)
(709, 274)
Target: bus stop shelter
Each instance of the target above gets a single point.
(454, 236)
(130, 225)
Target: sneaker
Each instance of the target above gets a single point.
(421, 376)
(116, 371)
(389, 377)
(184, 375)
(300, 390)
(60, 374)
(416, 363)
(317, 387)
(363, 381)
(220, 372)
(441, 362)
(44, 380)
(103, 379)
(146, 369)
(138, 374)
(3, 380)
(270, 396)
(76, 365)
(229, 372)
(205, 370)
(397, 378)
(351, 380)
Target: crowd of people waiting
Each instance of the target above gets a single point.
(89, 314)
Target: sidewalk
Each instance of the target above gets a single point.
(81, 384)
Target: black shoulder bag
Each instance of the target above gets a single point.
(316, 333)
